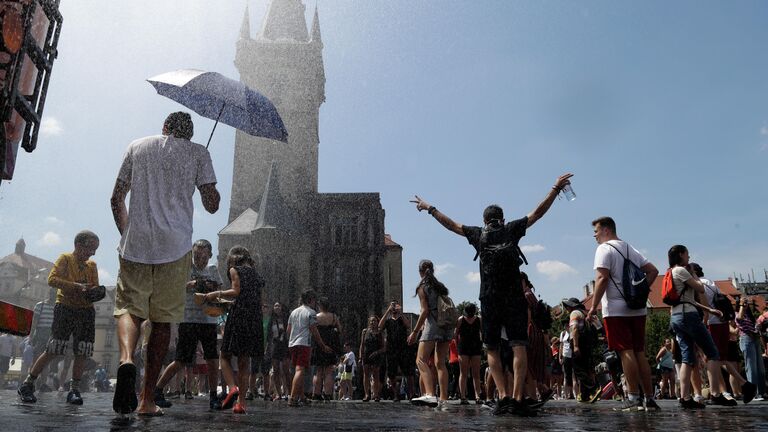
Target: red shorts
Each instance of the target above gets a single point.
(300, 355)
(720, 334)
(625, 333)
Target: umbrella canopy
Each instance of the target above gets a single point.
(219, 98)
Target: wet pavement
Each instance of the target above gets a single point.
(52, 413)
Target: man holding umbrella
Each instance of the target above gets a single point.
(161, 172)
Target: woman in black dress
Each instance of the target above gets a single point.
(470, 345)
(243, 332)
(325, 363)
(371, 350)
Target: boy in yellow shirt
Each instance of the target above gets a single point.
(74, 275)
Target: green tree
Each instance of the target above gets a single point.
(656, 330)
(460, 307)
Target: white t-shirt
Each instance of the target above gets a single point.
(163, 172)
(679, 277)
(300, 320)
(565, 344)
(606, 257)
(710, 289)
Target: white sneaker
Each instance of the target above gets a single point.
(443, 405)
(699, 399)
(759, 398)
(426, 400)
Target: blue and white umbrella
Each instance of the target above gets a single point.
(225, 100)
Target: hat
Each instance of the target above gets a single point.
(572, 303)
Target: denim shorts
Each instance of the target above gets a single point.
(689, 330)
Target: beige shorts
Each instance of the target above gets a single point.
(152, 291)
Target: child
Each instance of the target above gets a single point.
(243, 334)
(74, 275)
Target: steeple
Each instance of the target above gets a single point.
(245, 27)
(285, 21)
(316, 29)
(21, 245)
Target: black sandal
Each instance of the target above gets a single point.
(125, 400)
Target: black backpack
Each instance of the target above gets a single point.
(588, 336)
(635, 286)
(723, 304)
(496, 254)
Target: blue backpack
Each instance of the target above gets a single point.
(635, 286)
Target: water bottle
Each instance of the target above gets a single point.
(568, 192)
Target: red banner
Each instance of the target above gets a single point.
(15, 320)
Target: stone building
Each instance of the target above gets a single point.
(331, 242)
(24, 277)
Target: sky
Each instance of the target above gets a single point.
(659, 110)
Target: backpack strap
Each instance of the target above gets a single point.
(611, 276)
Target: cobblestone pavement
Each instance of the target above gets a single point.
(52, 413)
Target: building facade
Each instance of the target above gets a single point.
(331, 242)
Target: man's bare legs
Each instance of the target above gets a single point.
(157, 347)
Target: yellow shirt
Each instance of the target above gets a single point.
(66, 273)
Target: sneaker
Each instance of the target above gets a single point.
(188, 395)
(759, 399)
(214, 403)
(249, 395)
(294, 403)
(748, 390)
(594, 397)
(691, 404)
(489, 404)
(520, 409)
(443, 405)
(73, 397)
(426, 400)
(160, 399)
(27, 392)
(699, 398)
(464, 402)
(238, 409)
(651, 405)
(722, 400)
(230, 398)
(631, 405)
(502, 406)
(479, 401)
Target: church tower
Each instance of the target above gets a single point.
(285, 63)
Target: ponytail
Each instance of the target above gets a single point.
(428, 269)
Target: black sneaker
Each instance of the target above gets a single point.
(188, 395)
(691, 404)
(160, 399)
(723, 401)
(631, 405)
(748, 391)
(214, 403)
(249, 395)
(27, 392)
(73, 398)
(502, 406)
(521, 409)
(651, 405)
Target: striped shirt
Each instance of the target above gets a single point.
(44, 314)
(746, 325)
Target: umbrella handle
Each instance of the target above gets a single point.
(216, 124)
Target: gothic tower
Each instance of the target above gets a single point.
(284, 62)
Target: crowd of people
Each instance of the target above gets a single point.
(512, 355)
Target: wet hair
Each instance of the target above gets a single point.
(179, 124)
(493, 212)
(203, 243)
(375, 317)
(426, 267)
(470, 310)
(697, 270)
(239, 256)
(323, 303)
(675, 255)
(273, 316)
(307, 296)
(85, 236)
(605, 222)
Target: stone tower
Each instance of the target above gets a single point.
(285, 63)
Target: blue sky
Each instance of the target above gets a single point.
(658, 108)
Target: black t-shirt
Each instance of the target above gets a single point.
(397, 335)
(508, 282)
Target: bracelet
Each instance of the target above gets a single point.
(431, 210)
(559, 189)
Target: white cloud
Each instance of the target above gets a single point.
(440, 269)
(473, 277)
(532, 248)
(106, 278)
(51, 126)
(764, 131)
(49, 239)
(53, 220)
(554, 270)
